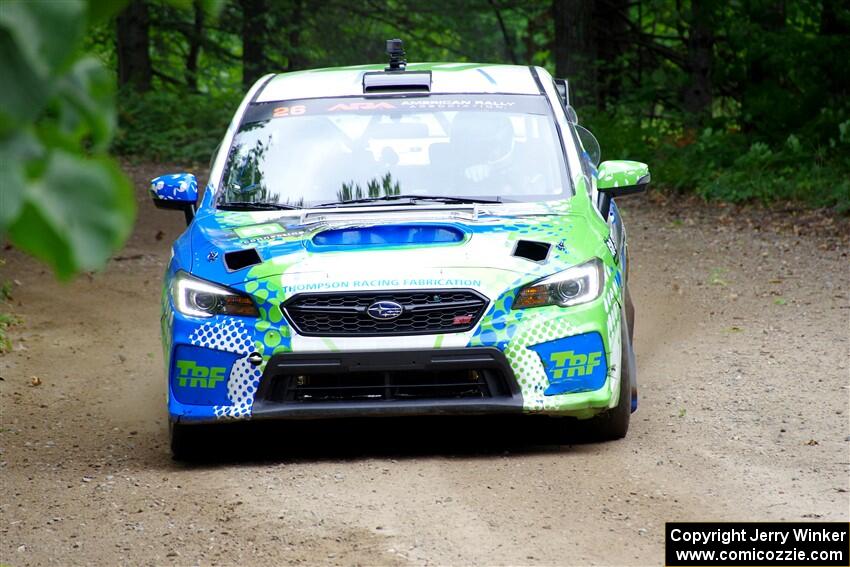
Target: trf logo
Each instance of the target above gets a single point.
(574, 364)
(195, 376)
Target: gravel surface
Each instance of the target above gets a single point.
(744, 373)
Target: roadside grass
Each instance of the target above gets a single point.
(716, 277)
(6, 319)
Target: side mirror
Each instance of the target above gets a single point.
(618, 178)
(621, 177)
(176, 191)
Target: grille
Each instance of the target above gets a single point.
(423, 312)
(389, 386)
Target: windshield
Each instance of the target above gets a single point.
(325, 151)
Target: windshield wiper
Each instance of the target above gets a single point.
(412, 198)
(256, 206)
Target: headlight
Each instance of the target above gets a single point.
(198, 298)
(574, 286)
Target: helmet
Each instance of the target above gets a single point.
(483, 137)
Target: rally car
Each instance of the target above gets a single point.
(398, 240)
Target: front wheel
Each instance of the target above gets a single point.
(185, 441)
(609, 425)
(614, 423)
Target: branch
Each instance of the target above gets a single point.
(647, 40)
(167, 78)
(509, 47)
(400, 22)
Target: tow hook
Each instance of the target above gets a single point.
(255, 358)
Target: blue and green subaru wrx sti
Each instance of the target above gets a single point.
(400, 240)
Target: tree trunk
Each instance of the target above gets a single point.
(195, 48)
(830, 22)
(538, 23)
(133, 41)
(611, 26)
(835, 30)
(575, 48)
(763, 82)
(700, 43)
(294, 59)
(254, 36)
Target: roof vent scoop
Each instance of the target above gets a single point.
(419, 82)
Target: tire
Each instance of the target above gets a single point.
(607, 426)
(184, 441)
(614, 423)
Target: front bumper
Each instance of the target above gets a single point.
(551, 360)
(387, 383)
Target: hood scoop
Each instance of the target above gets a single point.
(241, 259)
(532, 250)
(389, 235)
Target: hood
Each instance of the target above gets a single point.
(522, 238)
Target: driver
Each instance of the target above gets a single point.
(484, 141)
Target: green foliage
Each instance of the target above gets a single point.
(63, 199)
(727, 165)
(163, 125)
(776, 125)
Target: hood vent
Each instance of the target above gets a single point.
(389, 235)
(531, 250)
(241, 259)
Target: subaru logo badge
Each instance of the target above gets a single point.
(384, 310)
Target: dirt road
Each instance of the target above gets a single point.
(742, 343)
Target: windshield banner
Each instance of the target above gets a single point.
(522, 104)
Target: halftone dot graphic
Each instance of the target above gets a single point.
(231, 335)
(519, 329)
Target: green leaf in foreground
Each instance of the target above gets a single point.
(37, 41)
(62, 199)
(75, 214)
